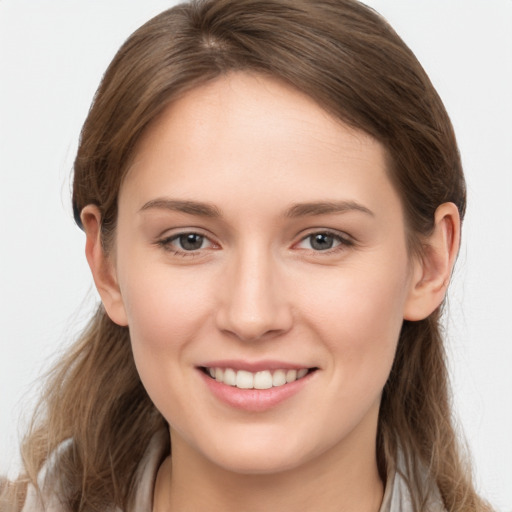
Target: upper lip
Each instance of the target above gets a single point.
(253, 366)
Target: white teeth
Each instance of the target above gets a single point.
(244, 380)
(301, 373)
(230, 377)
(259, 380)
(279, 378)
(291, 375)
(263, 380)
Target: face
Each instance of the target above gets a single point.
(263, 272)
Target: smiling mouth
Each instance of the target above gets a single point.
(265, 379)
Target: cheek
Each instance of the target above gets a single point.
(165, 309)
(359, 314)
(166, 313)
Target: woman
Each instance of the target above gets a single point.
(271, 193)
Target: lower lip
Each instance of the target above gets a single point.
(254, 400)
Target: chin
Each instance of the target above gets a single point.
(264, 464)
(261, 457)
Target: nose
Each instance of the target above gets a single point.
(253, 301)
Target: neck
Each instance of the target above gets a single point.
(341, 480)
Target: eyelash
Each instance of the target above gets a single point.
(166, 244)
(343, 242)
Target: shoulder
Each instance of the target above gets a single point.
(45, 495)
(397, 497)
(49, 492)
(402, 495)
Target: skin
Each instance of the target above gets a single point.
(257, 289)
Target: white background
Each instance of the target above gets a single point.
(52, 55)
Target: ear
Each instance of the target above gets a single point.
(102, 267)
(432, 270)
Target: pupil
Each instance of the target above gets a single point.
(191, 241)
(322, 242)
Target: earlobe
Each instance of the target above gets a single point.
(101, 266)
(431, 272)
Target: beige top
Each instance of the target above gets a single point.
(396, 496)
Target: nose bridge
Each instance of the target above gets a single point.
(254, 304)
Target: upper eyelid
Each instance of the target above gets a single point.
(327, 231)
(183, 230)
(171, 233)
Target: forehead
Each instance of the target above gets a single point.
(255, 136)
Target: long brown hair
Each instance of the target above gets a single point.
(351, 62)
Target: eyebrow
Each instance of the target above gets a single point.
(325, 208)
(190, 207)
(297, 210)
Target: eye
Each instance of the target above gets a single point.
(190, 241)
(323, 241)
(186, 242)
